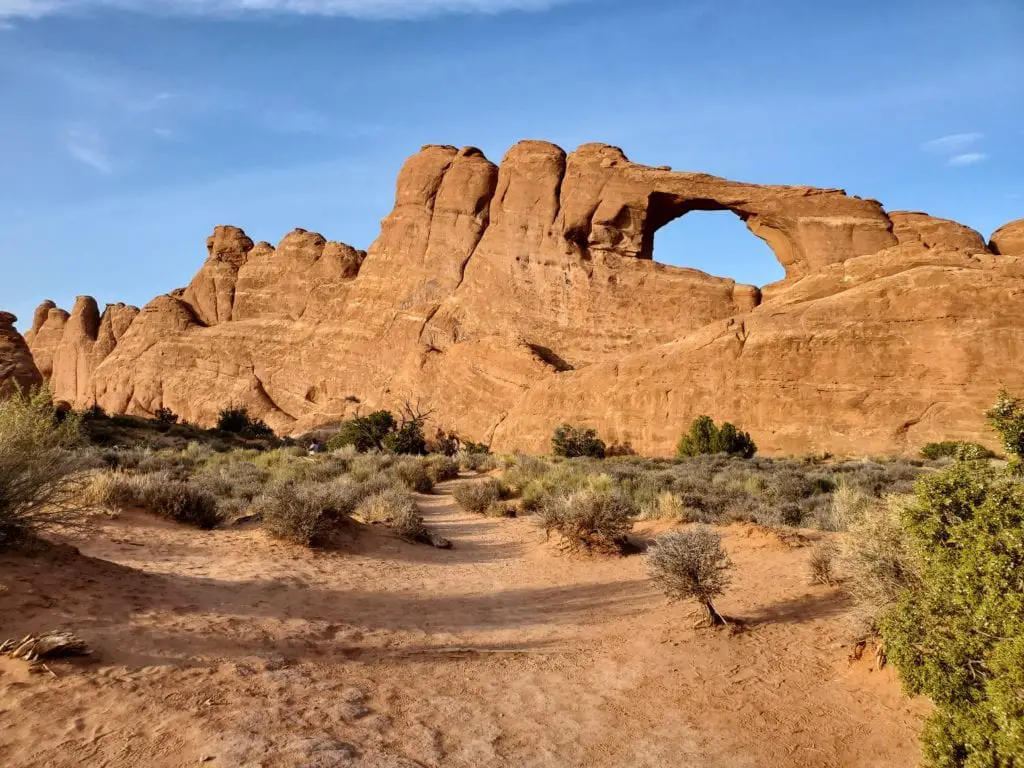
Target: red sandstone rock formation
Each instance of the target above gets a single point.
(513, 298)
(1008, 240)
(18, 372)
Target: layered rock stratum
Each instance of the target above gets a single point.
(510, 299)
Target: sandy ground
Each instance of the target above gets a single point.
(230, 649)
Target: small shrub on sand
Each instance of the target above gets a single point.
(477, 496)
(589, 519)
(40, 481)
(394, 508)
(822, 563)
(691, 565)
(305, 514)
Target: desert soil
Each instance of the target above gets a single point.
(230, 649)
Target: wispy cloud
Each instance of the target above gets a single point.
(953, 143)
(87, 147)
(954, 148)
(366, 9)
(967, 158)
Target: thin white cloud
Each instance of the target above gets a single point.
(364, 9)
(86, 147)
(945, 145)
(967, 158)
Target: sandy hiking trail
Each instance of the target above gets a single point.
(228, 648)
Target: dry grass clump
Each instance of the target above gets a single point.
(877, 560)
(822, 561)
(589, 519)
(478, 496)
(41, 481)
(691, 565)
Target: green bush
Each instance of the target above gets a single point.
(691, 565)
(956, 449)
(40, 481)
(589, 519)
(706, 438)
(477, 496)
(166, 416)
(236, 420)
(1006, 417)
(407, 439)
(571, 442)
(956, 633)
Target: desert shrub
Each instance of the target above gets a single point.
(441, 468)
(821, 562)
(476, 462)
(413, 473)
(446, 443)
(846, 504)
(668, 506)
(691, 565)
(236, 420)
(364, 433)
(1006, 417)
(570, 441)
(161, 494)
(394, 508)
(956, 449)
(956, 632)
(590, 519)
(477, 496)
(407, 439)
(707, 438)
(521, 469)
(475, 448)
(532, 496)
(877, 559)
(305, 514)
(166, 416)
(40, 474)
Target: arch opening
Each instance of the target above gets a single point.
(713, 239)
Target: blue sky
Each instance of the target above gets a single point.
(129, 128)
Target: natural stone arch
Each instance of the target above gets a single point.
(611, 204)
(665, 208)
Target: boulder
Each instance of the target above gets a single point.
(1008, 240)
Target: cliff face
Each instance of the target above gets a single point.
(512, 298)
(18, 372)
